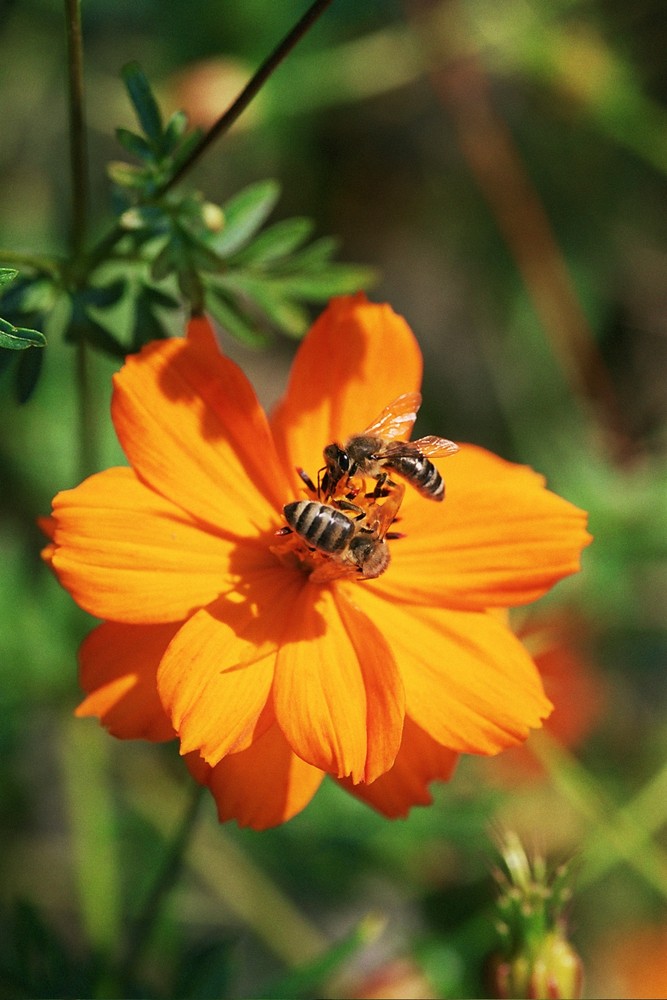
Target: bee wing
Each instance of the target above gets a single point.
(380, 516)
(435, 447)
(397, 419)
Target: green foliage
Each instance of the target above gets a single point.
(173, 250)
(16, 338)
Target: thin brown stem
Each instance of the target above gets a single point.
(238, 106)
(499, 170)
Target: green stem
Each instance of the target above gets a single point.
(87, 435)
(238, 106)
(79, 181)
(100, 251)
(141, 928)
(77, 130)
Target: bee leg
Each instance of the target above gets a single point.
(283, 531)
(347, 505)
(383, 487)
(308, 481)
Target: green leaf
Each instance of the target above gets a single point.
(127, 175)
(266, 295)
(337, 279)
(147, 324)
(143, 100)
(274, 243)
(175, 130)
(18, 338)
(311, 258)
(96, 335)
(27, 374)
(7, 274)
(180, 154)
(244, 214)
(235, 320)
(135, 144)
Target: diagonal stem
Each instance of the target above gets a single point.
(142, 926)
(254, 85)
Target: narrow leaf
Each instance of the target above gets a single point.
(135, 144)
(337, 279)
(143, 100)
(274, 243)
(244, 214)
(18, 338)
(127, 175)
(311, 258)
(7, 274)
(174, 130)
(234, 320)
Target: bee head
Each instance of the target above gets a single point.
(337, 464)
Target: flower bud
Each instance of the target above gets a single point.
(536, 959)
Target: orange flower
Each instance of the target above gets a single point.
(268, 679)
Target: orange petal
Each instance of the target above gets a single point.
(338, 695)
(215, 679)
(500, 538)
(118, 670)
(47, 525)
(126, 554)
(192, 428)
(357, 358)
(468, 680)
(419, 761)
(262, 786)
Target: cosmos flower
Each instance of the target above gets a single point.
(269, 680)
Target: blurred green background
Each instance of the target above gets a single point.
(504, 167)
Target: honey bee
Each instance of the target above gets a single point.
(375, 452)
(353, 537)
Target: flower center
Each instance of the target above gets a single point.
(340, 534)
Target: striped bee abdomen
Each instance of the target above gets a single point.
(323, 527)
(420, 472)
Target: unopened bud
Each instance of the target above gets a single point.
(536, 961)
(552, 972)
(212, 216)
